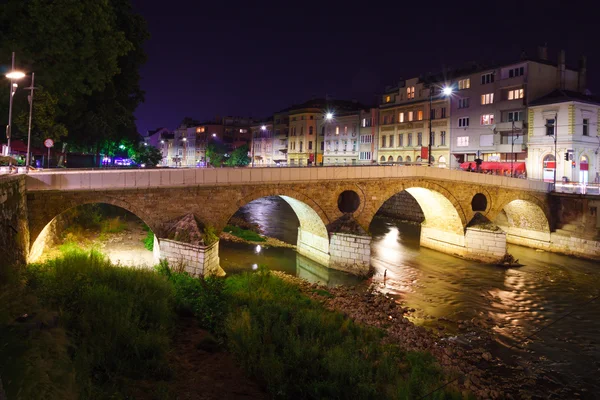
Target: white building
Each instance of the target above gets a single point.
(574, 117)
(341, 139)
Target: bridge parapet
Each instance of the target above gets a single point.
(181, 177)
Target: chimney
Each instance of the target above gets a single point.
(582, 75)
(543, 52)
(561, 70)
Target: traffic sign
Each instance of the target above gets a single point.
(48, 143)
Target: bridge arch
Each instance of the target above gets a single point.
(525, 219)
(313, 238)
(42, 229)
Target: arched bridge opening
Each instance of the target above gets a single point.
(114, 230)
(525, 223)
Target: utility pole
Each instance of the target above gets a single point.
(430, 131)
(32, 88)
(10, 105)
(555, 159)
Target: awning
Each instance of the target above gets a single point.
(494, 165)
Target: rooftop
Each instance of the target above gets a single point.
(563, 96)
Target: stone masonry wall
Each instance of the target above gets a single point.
(350, 253)
(484, 245)
(14, 227)
(403, 206)
(197, 260)
(312, 246)
(445, 242)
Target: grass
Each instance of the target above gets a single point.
(114, 326)
(299, 350)
(245, 234)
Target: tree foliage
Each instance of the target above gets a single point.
(239, 157)
(215, 153)
(86, 55)
(141, 154)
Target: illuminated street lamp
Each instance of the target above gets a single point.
(328, 118)
(13, 76)
(446, 91)
(184, 151)
(31, 88)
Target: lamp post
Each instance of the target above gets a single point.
(328, 118)
(185, 150)
(446, 91)
(12, 75)
(32, 88)
(555, 159)
(512, 150)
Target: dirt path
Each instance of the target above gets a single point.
(201, 371)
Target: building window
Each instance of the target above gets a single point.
(420, 115)
(463, 122)
(345, 129)
(432, 114)
(364, 155)
(487, 78)
(462, 141)
(301, 146)
(410, 115)
(391, 140)
(388, 99)
(515, 94)
(337, 130)
(401, 117)
(442, 138)
(366, 138)
(516, 72)
(410, 92)
(487, 98)
(366, 122)
(550, 127)
(487, 119)
(311, 117)
(383, 141)
(310, 130)
(443, 112)
(586, 127)
(382, 159)
(463, 102)
(310, 145)
(323, 146)
(409, 144)
(514, 116)
(464, 84)
(419, 139)
(433, 138)
(401, 140)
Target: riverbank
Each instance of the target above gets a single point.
(465, 358)
(268, 241)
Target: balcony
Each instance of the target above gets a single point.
(507, 126)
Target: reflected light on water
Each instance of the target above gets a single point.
(257, 249)
(254, 266)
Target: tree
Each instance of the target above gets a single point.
(215, 153)
(142, 154)
(86, 55)
(239, 157)
(43, 124)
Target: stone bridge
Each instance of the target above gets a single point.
(335, 206)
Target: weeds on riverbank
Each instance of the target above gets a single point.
(245, 234)
(113, 326)
(300, 350)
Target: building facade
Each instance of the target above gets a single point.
(281, 122)
(368, 136)
(573, 117)
(261, 149)
(341, 139)
(489, 108)
(409, 114)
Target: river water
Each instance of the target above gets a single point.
(545, 312)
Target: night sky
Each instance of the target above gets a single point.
(251, 59)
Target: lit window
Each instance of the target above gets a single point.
(487, 98)
(463, 122)
(364, 122)
(388, 99)
(200, 129)
(337, 130)
(515, 94)
(464, 84)
(462, 141)
(487, 119)
(410, 92)
(401, 117)
(345, 129)
(410, 115)
(420, 115)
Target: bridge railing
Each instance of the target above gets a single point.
(152, 178)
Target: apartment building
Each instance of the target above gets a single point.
(573, 117)
(281, 122)
(368, 136)
(409, 114)
(341, 139)
(261, 149)
(489, 108)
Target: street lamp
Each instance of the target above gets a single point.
(554, 127)
(13, 76)
(446, 91)
(328, 118)
(185, 151)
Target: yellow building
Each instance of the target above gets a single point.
(407, 117)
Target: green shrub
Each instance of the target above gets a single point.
(118, 318)
(149, 240)
(244, 233)
(300, 350)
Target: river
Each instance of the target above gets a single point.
(545, 312)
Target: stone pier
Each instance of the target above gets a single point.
(350, 253)
(196, 260)
(313, 246)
